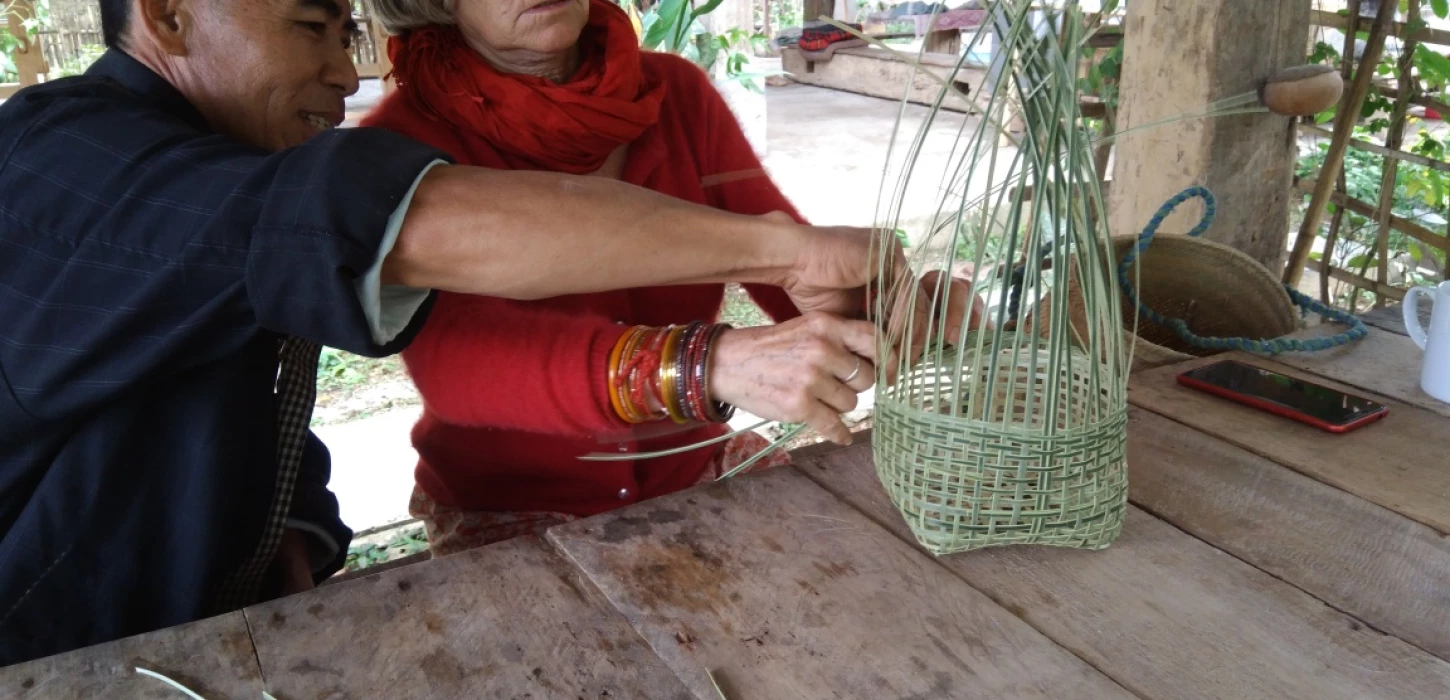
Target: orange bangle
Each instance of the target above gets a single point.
(616, 356)
(633, 413)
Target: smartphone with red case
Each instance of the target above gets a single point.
(1320, 406)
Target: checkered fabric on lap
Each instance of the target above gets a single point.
(296, 395)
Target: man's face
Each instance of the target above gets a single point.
(271, 73)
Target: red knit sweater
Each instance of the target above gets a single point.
(514, 392)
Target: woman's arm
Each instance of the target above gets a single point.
(733, 177)
(486, 361)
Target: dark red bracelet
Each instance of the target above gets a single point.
(715, 411)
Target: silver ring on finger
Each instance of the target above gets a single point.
(854, 372)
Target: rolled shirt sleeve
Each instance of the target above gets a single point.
(389, 308)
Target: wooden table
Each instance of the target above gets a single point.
(1260, 559)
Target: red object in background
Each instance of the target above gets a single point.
(1432, 114)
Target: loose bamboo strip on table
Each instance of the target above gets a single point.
(212, 657)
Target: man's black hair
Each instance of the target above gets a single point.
(114, 16)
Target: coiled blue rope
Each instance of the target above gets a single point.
(1275, 346)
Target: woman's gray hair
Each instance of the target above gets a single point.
(397, 16)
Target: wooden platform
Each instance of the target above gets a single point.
(878, 73)
(1259, 560)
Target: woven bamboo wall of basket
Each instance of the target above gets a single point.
(1012, 433)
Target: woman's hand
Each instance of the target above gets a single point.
(927, 312)
(835, 267)
(796, 371)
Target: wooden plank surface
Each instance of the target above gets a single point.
(511, 620)
(1169, 616)
(1399, 462)
(1381, 362)
(785, 592)
(213, 657)
(1387, 570)
(1392, 318)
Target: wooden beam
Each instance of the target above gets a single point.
(1105, 39)
(1367, 210)
(1428, 35)
(1180, 55)
(1344, 122)
(1380, 288)
(1378, 149)
(1421, 100)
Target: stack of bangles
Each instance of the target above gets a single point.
(657, 373)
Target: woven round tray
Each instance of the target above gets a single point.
(1217, 290)
(987, 462)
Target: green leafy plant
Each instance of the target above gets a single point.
(1421, 194)
(337, 367)
(79, 63)
(674, 26)
(404, 542)
(32, 24)
(1102, 75)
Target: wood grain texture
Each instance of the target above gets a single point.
(511, 620)
(1392, 318)
(213, 657)
(1179, 55)
(1382, 362)
(1169, 616)
(1399, 462)
(1385, 569)
(786, 592)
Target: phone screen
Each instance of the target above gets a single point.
(1328, 405)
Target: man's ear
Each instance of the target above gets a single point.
(167, 23)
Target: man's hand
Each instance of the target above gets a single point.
(292, 563)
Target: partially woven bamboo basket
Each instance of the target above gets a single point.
(1001, 462)
(1009, 434)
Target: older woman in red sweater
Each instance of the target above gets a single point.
(515, 392)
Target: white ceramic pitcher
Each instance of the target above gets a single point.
(1435, 378)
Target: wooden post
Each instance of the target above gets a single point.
(29, 61)
(1181, 55)
(813, 10)
(947, 42)
(1344, 122)
(1409, 87)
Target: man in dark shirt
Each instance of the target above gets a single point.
(181, 216)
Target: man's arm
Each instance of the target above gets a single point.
(531, 235)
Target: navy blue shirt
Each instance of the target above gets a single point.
(147, 268)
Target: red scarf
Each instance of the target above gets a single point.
(528, 122)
